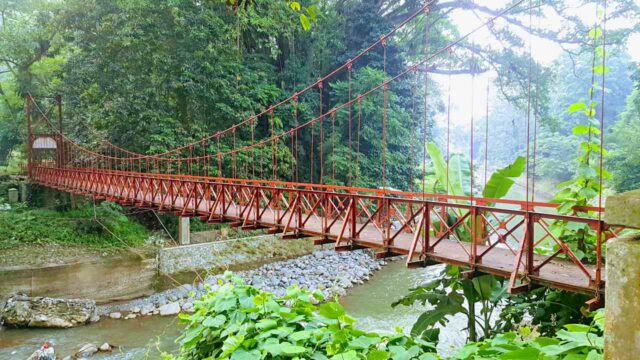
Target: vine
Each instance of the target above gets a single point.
(581, 190)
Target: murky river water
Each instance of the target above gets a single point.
(145, 338)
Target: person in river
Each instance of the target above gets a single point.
(46, 352)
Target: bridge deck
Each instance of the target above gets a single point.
(499, 259)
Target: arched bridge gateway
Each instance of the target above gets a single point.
(259, 175)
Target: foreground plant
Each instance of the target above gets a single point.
(576, 341)
(238, 321)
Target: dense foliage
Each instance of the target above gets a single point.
(238, 321)
(151, 75)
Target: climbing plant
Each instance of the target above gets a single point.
(585, 186)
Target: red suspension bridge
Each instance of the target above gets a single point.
(253, 178)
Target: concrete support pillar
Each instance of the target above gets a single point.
(622, 297)
(24, 193)
(184, 231)
(13, 196)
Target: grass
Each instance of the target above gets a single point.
(37, 226)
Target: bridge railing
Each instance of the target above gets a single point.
(519, 240)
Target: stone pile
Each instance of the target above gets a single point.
(327, 271)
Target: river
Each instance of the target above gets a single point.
(147, 337)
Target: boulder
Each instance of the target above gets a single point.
(170, 309)
(86, 351)
(105, 347)
(23, 311)
(115, 315)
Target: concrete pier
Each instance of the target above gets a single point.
(184, 231)
(622, 317)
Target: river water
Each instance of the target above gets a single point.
(147, 337)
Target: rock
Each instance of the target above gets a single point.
(46, 352)
(135, 310)
(169, 309)
(115, 315)
(68, 357)
(105, 347)
(147, 309)
(188, 307)
(86, 350)
(47, 312)
(130, 316)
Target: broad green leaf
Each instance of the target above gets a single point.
(295, 6)
(378, 355)
(289, 349)
(266, 324)
(577, 106)
(580, 130)
(601, 69)
(501, 180)
(215, 322)
(595, 33)
(483, 285)
(304, 20)
(521, 354)
(349, 355)
(331, 310)
(459, 175)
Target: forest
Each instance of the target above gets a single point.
(177, 71)
(535, 100)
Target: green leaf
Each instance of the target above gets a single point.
(289, 349)
(587, 171)
(214, 322)
(521, 354)
(295, 6)
(331, 310)
(483, 285)
(577, 106)
(300, 335)
(501, 180)
(304, 20)
(349, 355)
(580, 130)
(595, 33)
(601, 69)
(312, 10)
(378, 355)
(266, 324)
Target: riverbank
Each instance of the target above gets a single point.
(139, 335)
(328, 271)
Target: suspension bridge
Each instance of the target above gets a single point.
(253, 175)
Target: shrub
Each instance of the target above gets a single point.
(238, 321)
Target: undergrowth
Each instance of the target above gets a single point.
(39, 226)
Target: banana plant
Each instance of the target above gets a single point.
(458, 181)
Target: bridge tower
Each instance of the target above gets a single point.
(45, 140)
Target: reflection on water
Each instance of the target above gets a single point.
(145, 338)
